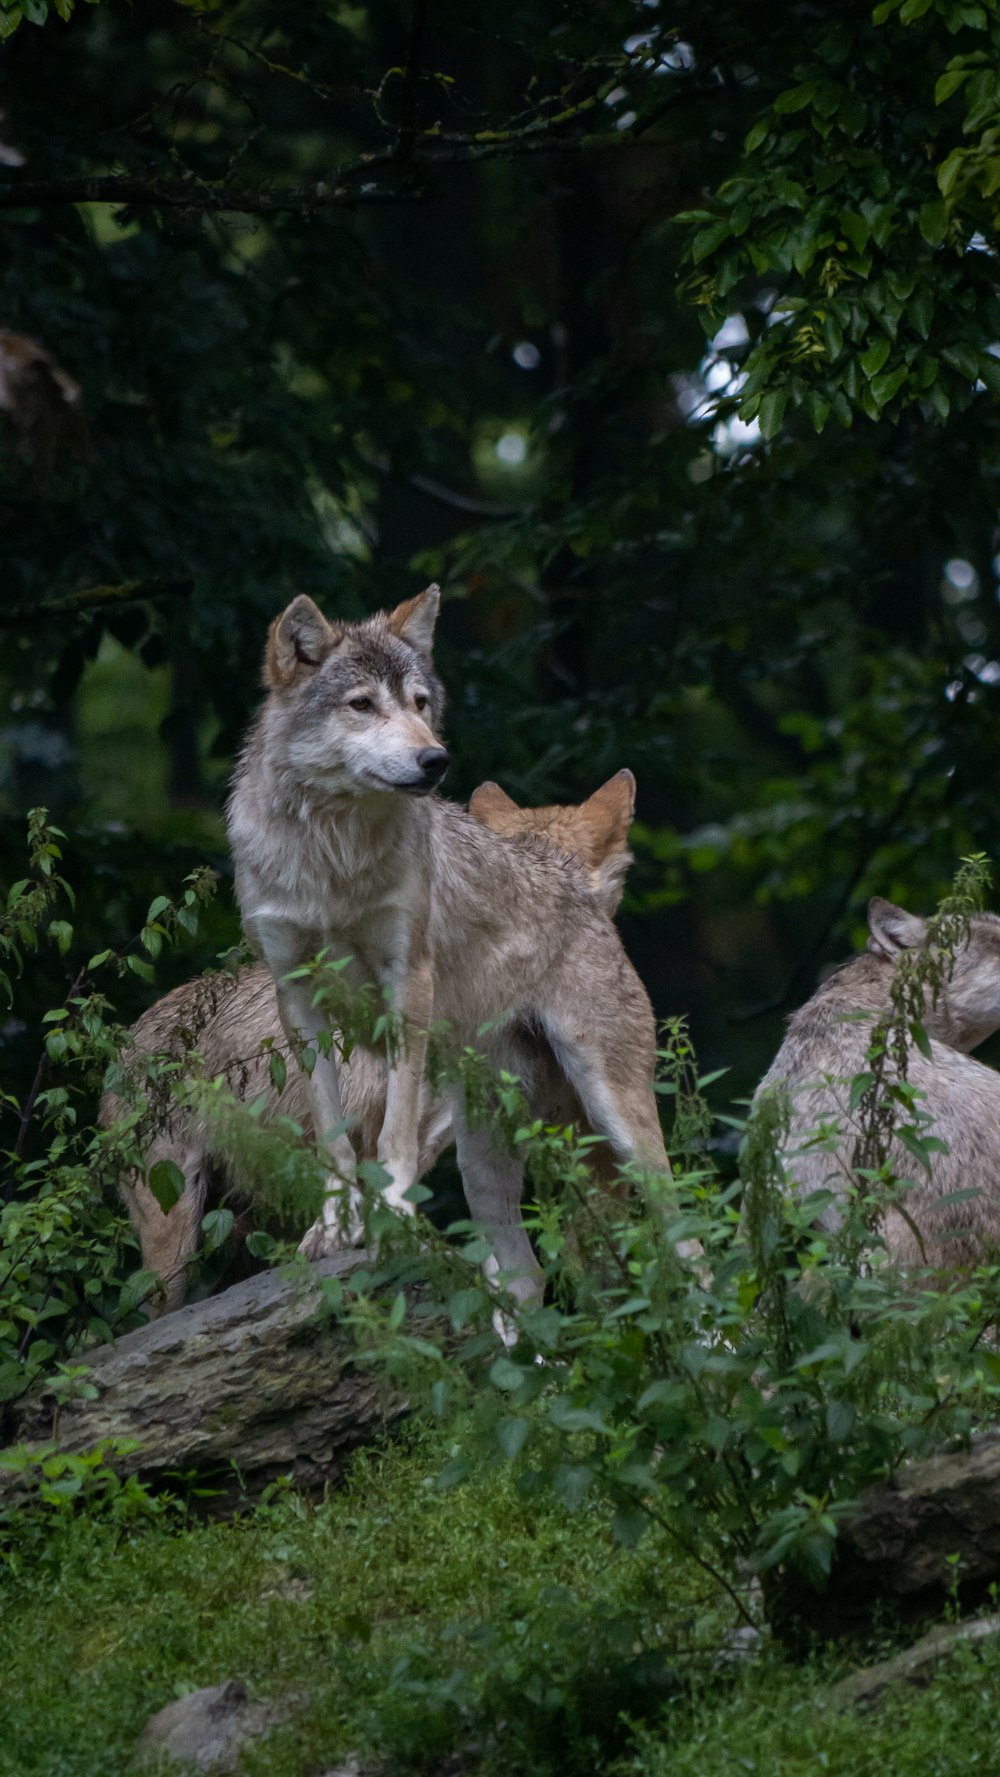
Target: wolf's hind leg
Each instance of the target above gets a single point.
(619, 1106)
(493, 1182)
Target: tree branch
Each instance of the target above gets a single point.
(406, 141)
(93, 598)
(193, 194)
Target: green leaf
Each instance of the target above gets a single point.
(840, 1416)
(62, 932)
(506, 1375)
(796, 98)
(462, 1305)
(889, 385)
(818, 409)
(921, 1039)
(216, 1226)
(772, 412)
(571, 1482)
(708, 239)
(166, 1181)
(964, 359)
(136, 1289)
(261, 1245)
(933, 221)
(948, 171)
(628, 1525)
(948, 83)
(876, 355)
(511, 1435)
(277, 1070)
(920, 311)
(756, 135)
(856, 228)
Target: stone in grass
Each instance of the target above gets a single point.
(915, 1666)
(208, 1728)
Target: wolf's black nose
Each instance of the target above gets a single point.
(433, 762)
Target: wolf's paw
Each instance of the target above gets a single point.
(321, 1241)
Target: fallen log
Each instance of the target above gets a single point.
(228, 1393)
(929, 1535)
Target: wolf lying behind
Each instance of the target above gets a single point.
(825, 1047)
(225, 1020)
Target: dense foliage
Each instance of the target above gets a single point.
(665, 336)
(356, 295)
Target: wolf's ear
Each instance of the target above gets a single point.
(413, 621)
(891, 929)
(491, 806)
(608, 880)
(607, 814)
(297, 642)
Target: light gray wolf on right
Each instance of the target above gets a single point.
(825, 1048)
(340, 845)
(227, 1019)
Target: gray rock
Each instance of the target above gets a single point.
(208, 1728)
(915, 1666)
(932, 1531)
(236, 1390)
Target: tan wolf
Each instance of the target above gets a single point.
(340, 845)
(825, 1048)
(226, 1019)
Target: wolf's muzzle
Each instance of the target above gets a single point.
(433, 763)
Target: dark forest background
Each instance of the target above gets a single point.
(664, 335)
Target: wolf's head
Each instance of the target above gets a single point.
(967, 1007)
(595, 831)
(357, 706)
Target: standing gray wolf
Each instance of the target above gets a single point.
(340, 845)
(825, 1048)
(227, 1019)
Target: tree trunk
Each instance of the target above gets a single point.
(228, 1393)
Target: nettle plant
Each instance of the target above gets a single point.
(65, 1249)
(738, 1398)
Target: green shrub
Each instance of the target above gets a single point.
(65, 1246)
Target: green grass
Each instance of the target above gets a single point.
(413, 1625)
(388, 1576)
(781, 1723)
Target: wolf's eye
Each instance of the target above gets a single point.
(420, 702)
(361, 703)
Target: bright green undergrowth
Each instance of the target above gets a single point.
(392, 1605)
(467, 1631)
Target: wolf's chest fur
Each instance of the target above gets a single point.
(340, 877)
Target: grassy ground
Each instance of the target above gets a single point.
(462, 1631)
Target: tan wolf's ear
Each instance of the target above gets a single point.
(891, 929)
(492, 807)
(413, 621)
(608, 817)
(297, 642)
(607, 814)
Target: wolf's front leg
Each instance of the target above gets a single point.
(339, 1223)
(399, 1141)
